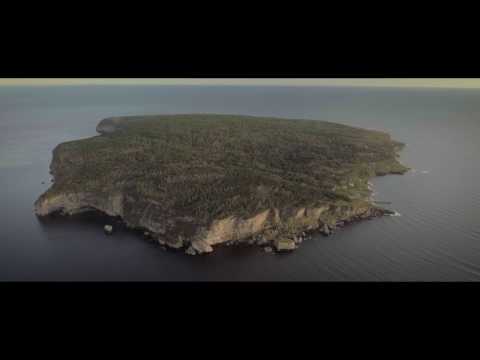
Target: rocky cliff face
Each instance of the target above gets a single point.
(187, 194)
(264, 228)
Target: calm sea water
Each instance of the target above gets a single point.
(437, 236)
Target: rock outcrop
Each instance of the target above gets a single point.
(284, 245)
(108, 229)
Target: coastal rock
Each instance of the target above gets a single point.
(201, 246)
(108, 229)
(148, 236)
(175, 243)
(325, 230)
(190, 251)
(284, 245)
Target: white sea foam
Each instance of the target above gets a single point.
(396, 213)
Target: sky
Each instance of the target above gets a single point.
(466, 83)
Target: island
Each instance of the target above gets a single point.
(196, 181)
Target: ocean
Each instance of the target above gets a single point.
(436, 236)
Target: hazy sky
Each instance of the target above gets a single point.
(435, 83)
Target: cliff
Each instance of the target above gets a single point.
(195, 181)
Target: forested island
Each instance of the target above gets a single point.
(195, 181)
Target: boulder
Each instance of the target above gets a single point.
(201, 246)
(175, 243)
(190, 251)
(386, 212)
(325, 230)
(148, 236)
(284, 245)
(108, 229)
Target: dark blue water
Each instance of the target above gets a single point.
(437, 236)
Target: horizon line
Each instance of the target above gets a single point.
(447, 83)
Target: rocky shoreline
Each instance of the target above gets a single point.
(273, 237)
(279, 245)
(291, 242)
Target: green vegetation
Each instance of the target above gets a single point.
(214, 166)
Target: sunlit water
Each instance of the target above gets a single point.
(437, 236)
